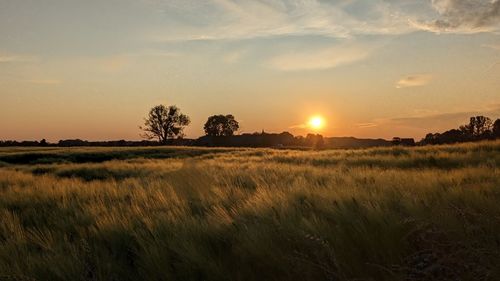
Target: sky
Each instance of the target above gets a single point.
(371, 68)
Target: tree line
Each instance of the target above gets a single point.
(167, 122)
(478, 128)
(165, 125)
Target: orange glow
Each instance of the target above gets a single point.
(316, 122)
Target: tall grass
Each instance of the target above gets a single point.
(427, 213)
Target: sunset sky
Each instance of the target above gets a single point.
(371, 68)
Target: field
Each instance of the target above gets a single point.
(425, 213)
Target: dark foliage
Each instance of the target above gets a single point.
(403, 141)
(315, 141)
(221, 125)
(165, 123)
(220, 133)
(287, 140)
(479, 128)
(250, 140)
(496, 129)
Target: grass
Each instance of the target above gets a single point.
(427, 213)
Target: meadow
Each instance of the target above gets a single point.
(177, 213)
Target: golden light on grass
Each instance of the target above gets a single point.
(179, 201)
(316, 122)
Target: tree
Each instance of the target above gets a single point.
(452, 136)
(315, 141)
(403, 141)
(478, 127)
(430, 138)
(221, 125)
(164, 123)
(496, 128)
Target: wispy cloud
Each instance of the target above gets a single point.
(115, 63)
(298, 126)
(414, 81)
(233, 57)
(16, 58)
(434, 122)
(120, 62)
(153, 53)
(463, 16)
(232, 19)
(246, 19)
(44, 81)
(319, 59)
(366, 125)
(448, 120)
(492, 46)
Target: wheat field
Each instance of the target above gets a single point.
(173, 213)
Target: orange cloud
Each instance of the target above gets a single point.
(414, 81)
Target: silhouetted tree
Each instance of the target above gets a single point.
(164, 123)
(221, 125)
(43, 142)
(403, 141)
(315, 141)
(75, 142)
(478, 127)
(496, 129)
(285, 138)
(452, 136)
(431, 138)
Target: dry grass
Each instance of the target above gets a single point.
(427, 213)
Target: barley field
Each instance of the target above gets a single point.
(173, 213)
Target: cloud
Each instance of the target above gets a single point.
(319, 59)
(115, 63)
(463, 16)
(299, 126)
(16, 58)
(233, 57)
(435, 122)
(153, 53)
(245, 19)
(122, 61)
(44, 81)
(492, 46)
(414, 81)
(8, 59)
(248, 19)
(33, 81)
(446, 120)
(366, 125)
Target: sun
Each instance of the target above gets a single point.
(316, 122)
